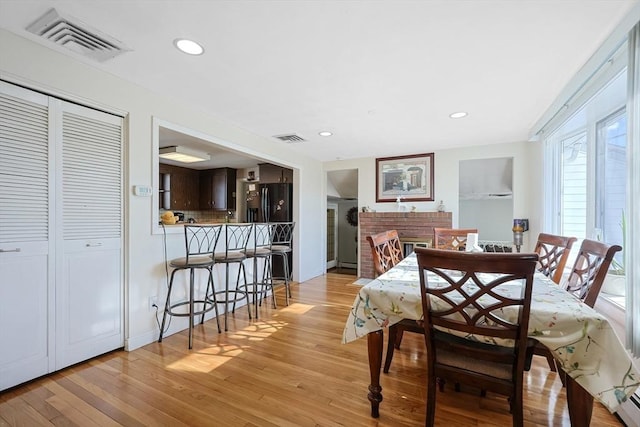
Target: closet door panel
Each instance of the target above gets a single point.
(89, 287)
(25, 267)
(24, 352)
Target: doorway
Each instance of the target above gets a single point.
(342, 226)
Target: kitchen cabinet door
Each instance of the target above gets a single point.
(224, 189)
(218, 189)
(274, 174)
(184, 187)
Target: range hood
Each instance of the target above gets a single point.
(484, 179)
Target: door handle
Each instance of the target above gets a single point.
(93, 245)
(10, 250)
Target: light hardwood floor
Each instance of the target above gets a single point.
(287, 369)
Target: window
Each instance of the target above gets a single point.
(573, 177)
(611, 179)
(588, 156)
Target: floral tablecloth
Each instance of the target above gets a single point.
(578, 336)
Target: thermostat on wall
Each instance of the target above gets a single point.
(142, 190)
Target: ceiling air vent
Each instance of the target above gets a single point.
(290, 138)
(76, 36)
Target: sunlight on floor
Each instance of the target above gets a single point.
(214, 356)
(295, 308)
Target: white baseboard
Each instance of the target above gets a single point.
(629, 411)
(353, 265)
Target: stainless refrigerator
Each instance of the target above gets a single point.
(272, 203)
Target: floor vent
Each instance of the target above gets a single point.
(76, 36)
(290, 138)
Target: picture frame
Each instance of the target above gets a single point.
(409, 177)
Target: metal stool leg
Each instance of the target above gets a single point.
(214, 300)
(167, 305)
(191, 312)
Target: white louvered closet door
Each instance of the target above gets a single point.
(89, 294)
(25, 244)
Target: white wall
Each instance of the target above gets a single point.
(527, 181)
(492, 217)
(31, 65)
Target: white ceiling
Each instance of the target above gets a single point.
(383, 76)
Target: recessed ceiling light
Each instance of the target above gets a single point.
(458, 115)
(325, 133)
(189, 46)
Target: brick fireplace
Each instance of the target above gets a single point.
(411, 227)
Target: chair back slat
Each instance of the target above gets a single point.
(386, 250)
(553, 252)
(201, 239)
(451, 238)
(590, 270)
(282, 233)
(237, 237)
(468, 292)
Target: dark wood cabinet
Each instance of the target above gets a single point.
(184, 187)
(270, 174)
(218, 189)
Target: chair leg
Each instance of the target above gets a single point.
(431, 399)
(562, 374)
(266, 280)
(287, 288)
(398, 338)
(213, 298)
(393, 331)
(516, 407)
(551, 361)
(244, 274)
(191, 305)
(226, 296)
(167, 304)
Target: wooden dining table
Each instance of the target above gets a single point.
(581, 339)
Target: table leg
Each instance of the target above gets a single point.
(374, 343)
(580, 403)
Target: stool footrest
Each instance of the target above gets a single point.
(206, 303)
(238, 296)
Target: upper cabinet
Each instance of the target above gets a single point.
(184, 187)
(270, 174)
(218, 189)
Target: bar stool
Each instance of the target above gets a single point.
(200, 242)
(281, 246)
(236, 239)
(260, 253)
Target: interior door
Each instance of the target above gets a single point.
(25, 300)
(332, 235)
(89, 293)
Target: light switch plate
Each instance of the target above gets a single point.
(142, 190)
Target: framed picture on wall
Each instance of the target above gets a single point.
(408, 176)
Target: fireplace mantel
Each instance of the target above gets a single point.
(411, 226)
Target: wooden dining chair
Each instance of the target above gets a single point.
(585, 281)
(590, 269)
(456, 299)
(451, 238)
(553, 252)
(386, 251)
